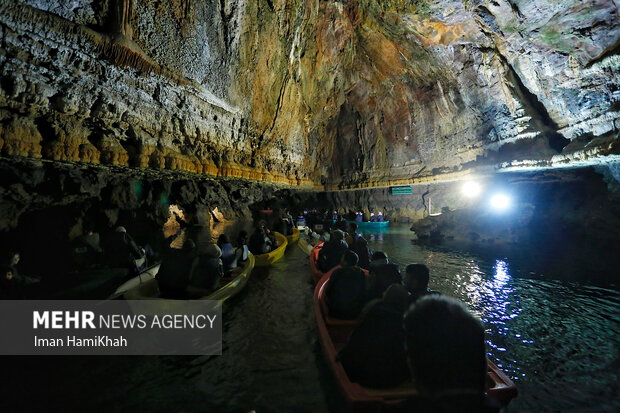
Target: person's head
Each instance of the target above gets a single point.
(189, 246)
(349, 259)
(416, 277)
(372, 214)
(337, 235)
(396, 296)
(242, 239)
(223, 239)
(13, 257)
(378, 256)
(121, 229)
(445, 346)
(352, 227)
(88, 227)
(213, 251)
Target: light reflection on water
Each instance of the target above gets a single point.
(558, 341)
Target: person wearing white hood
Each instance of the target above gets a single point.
(380, 217)
(372, 217)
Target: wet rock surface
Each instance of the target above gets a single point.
(343, 94)
(44, 205)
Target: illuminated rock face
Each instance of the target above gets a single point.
(357, 93)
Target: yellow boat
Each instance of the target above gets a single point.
(265, 260)
(149, 290)
(293, 237)
(305, 247)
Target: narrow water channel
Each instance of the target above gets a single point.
(557, 340)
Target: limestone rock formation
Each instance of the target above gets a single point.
(356, 93)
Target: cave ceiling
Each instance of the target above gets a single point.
(323, 94)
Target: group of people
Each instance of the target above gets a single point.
(359, 217)
(87, 252)
(404, 330)
(192, 273)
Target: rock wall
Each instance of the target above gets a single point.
(44, 205)
(333, 94)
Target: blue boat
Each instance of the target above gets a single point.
(369, 224)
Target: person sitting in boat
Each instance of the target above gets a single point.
(260, 242)
(380, 217)
(359, 217)
(378, 258)
(288, 216)
(332, 251)
(13, 285)
(335, 216)
(207, 274)
(122, 251)
(345, 292)
(242, 252)
(373, 218)
(382, 274)
(375, 354)
(360, 247)
(416, 282)
(446, 352)
(341, 224)
(175, 270)
(87, 251)
(283, 227)
(228, 253)
(352, 234)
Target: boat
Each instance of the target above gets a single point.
(144, 276)
(90, 284)
(369, 224)
(334, 333)
(293, 237)
(305, 246)
(149, 290)
(265, 260)
(317, 274)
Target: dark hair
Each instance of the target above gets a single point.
(350, 258)
(189, 245)
(378, 255)
(353, 226)
(361, 241)
(8, 258)
(445, 345)
(419, 273)
(337, 235)
(223, 239)
(242, 238)
(88, 226)
(396, 295)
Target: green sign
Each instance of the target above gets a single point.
(401, 190)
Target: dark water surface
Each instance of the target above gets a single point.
(557, 340)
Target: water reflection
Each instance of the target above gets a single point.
(558, 341)
(501, 273)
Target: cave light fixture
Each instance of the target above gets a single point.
(471, 189)
(500, 202)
